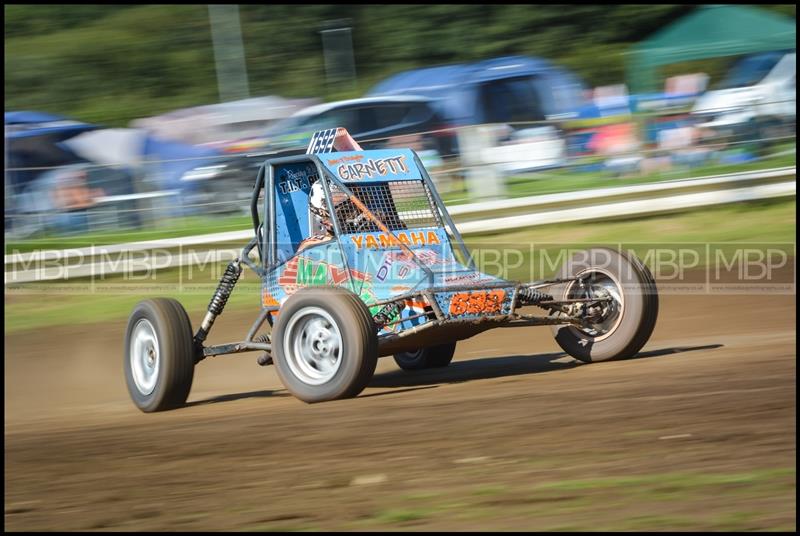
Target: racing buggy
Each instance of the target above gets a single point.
(358, 258)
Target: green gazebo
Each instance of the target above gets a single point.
(708, 32)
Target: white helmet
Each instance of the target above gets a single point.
(316, 200)
(347, 212)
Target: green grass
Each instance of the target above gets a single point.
(271, 527)
(659, 501)
(424, 496)
(668, 482)
(490, 490)
(47, 304)
(170, 228)
(570, 179)
(722, 226)
(757, 221)
(401, 515)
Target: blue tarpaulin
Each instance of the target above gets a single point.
(35, 140)
(32, 141)
(39, 144)
(31, 124)
(167, 160)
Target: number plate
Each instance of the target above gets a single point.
(477, 302)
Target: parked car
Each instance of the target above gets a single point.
(374, 122)
(510, 89)
(758, 92)
(526, 98)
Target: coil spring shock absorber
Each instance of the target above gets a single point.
(532, 296)
(219, 299)
(265, 358)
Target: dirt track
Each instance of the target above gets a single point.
(698, 432)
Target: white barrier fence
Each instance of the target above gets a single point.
(630, 208)
(726, 189)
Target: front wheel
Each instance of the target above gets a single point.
(159, 357)
(424, 358)
(324, 344)
(621, 324)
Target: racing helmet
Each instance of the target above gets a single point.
(351, 218)
(316, 201)
(319, 208)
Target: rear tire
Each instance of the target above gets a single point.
(325, 344)
(632, 320)
(159, 355)
(425, 358)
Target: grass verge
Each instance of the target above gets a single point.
(759, 499)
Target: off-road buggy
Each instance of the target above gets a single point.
(380, 270)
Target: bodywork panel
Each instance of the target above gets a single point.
(406, 270)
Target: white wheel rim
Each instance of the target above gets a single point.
(312, 344)
(144, 357)
(612, 288)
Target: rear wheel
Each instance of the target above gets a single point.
(621, 325)
(325, 344)
(424, 358)
(159, 357)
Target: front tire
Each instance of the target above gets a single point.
(625, 323)
(159, 356)
(425, 358)
(325, 344)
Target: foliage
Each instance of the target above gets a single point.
(113, 63)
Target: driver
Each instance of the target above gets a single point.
(351, 219)
(318, 207)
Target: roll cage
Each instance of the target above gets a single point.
(265, 231)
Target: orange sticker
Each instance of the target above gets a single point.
(477, 302)
(267, 300)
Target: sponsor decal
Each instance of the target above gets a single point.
(296, 180)
(409, 238)
(471, 277)
(429, 257)
(303, 272)
(288, 279)
(306, 272)
(310, 273)
(407, 263)
(403, 272)
(401, 256)
(351, 158)
(416, 306)
(383, 271)
(400, 289)
(411, 308)
(477, 302)
(374, 167)
(267, 299)
(389, 260)
(462, 278)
